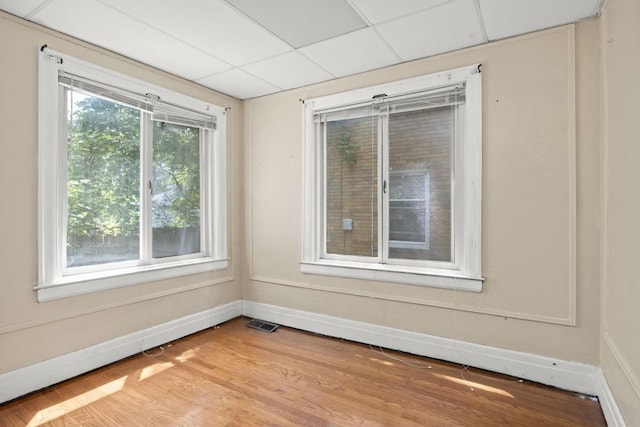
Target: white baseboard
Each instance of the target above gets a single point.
(31, 378)
(608, 403)
(572, 376)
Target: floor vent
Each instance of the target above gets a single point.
(263, 326)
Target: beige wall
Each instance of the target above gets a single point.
(38, 331)
(541, 201)
(620, 348)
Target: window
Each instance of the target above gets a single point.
(409, 210)
(393, 182)
(131, 180)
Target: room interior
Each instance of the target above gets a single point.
(557, 303)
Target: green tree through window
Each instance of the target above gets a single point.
(176, 190)
(103, 181)
(104, 188)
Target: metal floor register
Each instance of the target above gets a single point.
(261, 325)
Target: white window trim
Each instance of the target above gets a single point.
(53, 283)
(466, 273)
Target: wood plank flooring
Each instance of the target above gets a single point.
(235, 376)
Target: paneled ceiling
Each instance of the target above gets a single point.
(250, 48)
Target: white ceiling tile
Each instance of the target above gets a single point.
(351, 53)
(104, 26)
(288, 71)
(444, 28)
(301, 23)
(239, 84)
(211, 25)
(183, 61)
(20, 7)
(377, 11)
(506, 18)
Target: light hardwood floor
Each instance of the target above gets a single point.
(235, 376)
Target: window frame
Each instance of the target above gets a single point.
(464, 273)
(55, 279)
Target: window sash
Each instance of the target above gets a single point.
(204, 141)
(458, 136)
(65, 92)
(145, 256)
(447, 96)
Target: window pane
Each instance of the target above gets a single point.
(176, 190)
(420, 175)
(103, 181)
(351, 186)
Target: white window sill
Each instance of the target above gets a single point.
(430, 277)
(79, 284)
